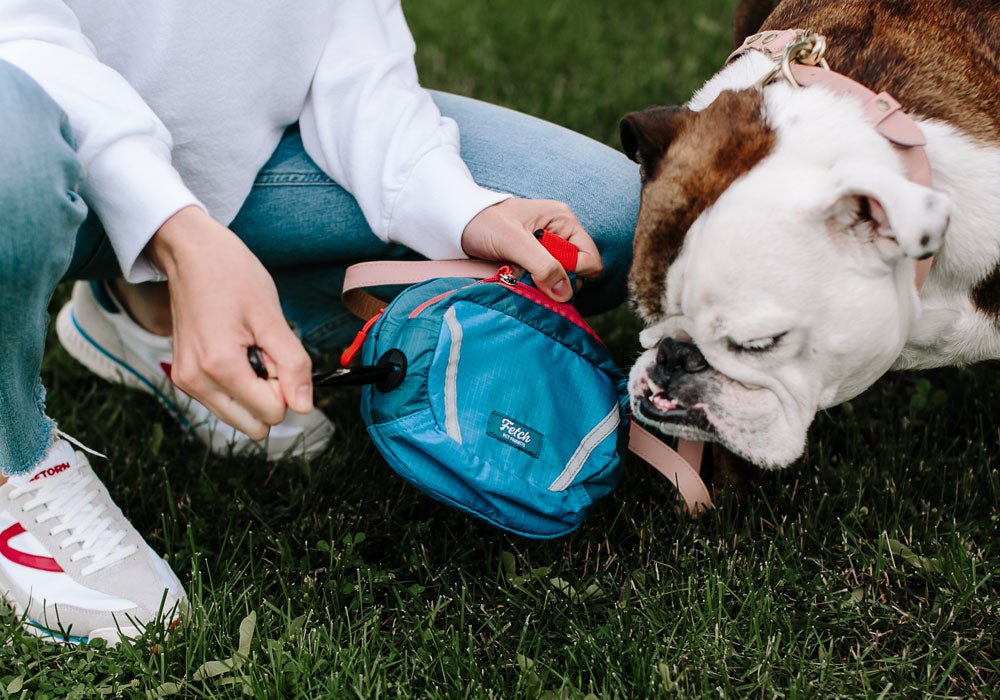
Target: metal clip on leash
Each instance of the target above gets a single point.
(808, 49)
(387, 374)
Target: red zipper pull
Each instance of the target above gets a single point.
(359, 340)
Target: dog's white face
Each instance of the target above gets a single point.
(773, 267)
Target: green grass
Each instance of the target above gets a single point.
(869, 568)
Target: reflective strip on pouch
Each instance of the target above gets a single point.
(451, 377)
(591, 440)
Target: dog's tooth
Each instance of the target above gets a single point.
(664, 404)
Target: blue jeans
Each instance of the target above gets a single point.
(304, 227)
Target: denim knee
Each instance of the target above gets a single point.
(40, 210)
(613, 225)
(606, 201)
(513, 152)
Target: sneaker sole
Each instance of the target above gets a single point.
(90, 352)
(112, 635)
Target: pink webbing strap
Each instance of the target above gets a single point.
(390, 272)
(771, 42)
(676, 466)
(885, 114)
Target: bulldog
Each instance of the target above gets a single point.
(774, 255)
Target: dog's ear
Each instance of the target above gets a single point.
(900, 217)
(646, 135)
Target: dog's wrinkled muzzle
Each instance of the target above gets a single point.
(664, 395)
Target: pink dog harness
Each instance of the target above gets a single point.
(798, 57)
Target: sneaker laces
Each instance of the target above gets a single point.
(68, 499)
(72, 440)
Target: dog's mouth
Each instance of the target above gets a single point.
(656, 405)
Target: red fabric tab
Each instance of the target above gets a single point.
(359, 340)
(560, 249)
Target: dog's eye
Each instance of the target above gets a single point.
(758, 344)
(863, 215)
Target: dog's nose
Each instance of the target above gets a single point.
(674, 356)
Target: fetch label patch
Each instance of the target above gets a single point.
(517, 435)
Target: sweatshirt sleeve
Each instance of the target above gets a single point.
(129, 181)
(370, 126)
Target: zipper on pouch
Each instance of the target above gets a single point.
(505, 276)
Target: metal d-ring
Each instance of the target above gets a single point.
(807, 49)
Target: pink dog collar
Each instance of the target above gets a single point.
(798, 55)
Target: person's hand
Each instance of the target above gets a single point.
(222, 301)
(505, 232)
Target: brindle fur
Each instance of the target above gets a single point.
(939, 59)
(721, 469)
(719, 144)
(986, 295)
(749, 16)
(687, 175)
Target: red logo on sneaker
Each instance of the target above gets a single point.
(51, 471)
(32, 561)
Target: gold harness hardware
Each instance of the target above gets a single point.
(806, 49)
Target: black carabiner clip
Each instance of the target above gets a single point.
(387, 374)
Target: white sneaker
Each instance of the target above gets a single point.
(96, 330)
(70, 563)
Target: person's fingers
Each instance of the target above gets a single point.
(263, 400)
(217, 318)
(588, 261)
(523, 249)
(232, 413)
(270, 366)
(232, 392)
(293, 367)
(505, 231)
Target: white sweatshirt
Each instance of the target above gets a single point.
(178, 102)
